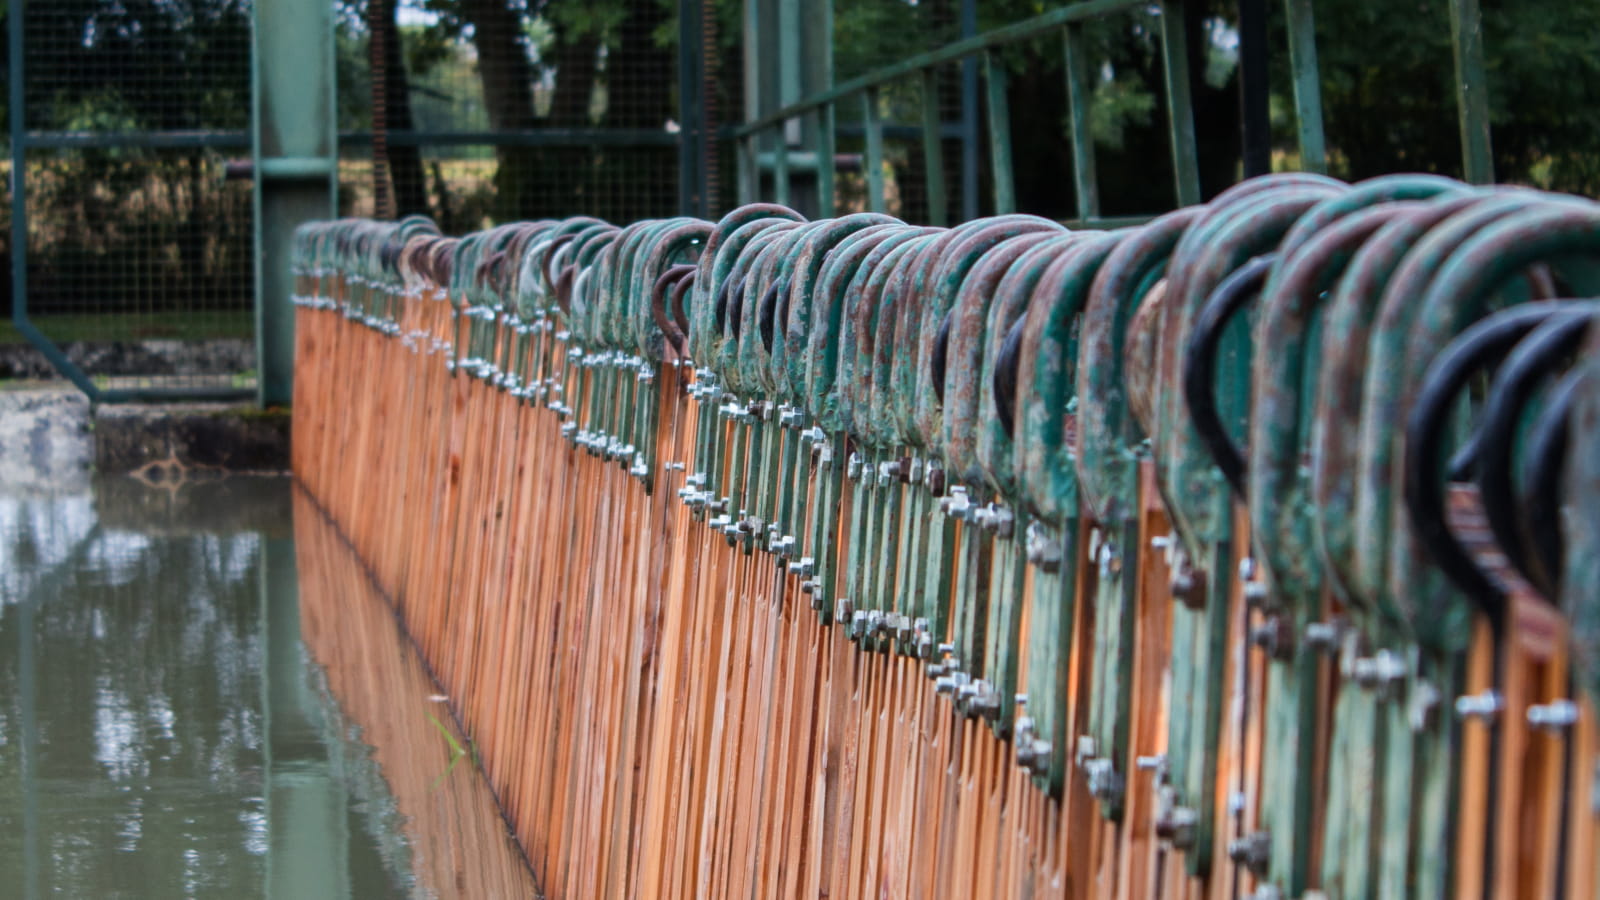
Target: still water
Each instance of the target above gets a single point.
(184, 712)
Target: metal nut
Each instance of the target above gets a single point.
(1557, 715)
(1484, 706)
(1253, 851)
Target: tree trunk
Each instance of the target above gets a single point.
(507, 78)
(405, 161)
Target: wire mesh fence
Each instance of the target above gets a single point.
(137, 249)
(494, 110)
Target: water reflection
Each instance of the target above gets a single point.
(460, 844)
(163, 730)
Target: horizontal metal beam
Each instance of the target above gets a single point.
(157, 140)
(1009, 34)
(528, 137)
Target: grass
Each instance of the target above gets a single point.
(457, 751)
(182, 326)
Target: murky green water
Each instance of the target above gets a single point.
(164, 731)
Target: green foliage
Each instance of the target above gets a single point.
(1388, 86)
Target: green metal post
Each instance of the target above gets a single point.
(1175, 52)
(933, 149)
(816, 54)
(873, 118)
(750, 147)
(1472, 91)
(692, 126)
(1301, 23)
(1005, 194)
(1078, 100)
(296, 165)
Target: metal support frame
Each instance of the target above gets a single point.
(296, 150)
(23, 140)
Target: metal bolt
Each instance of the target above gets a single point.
(804, 568)
(1085, 750)
(1177, 826)
(1381, 671)
(1042, 548)
(937, 670)
(1321, 637)
(858, 624)
(1185, 586)
(1032, 753)
(1557, 715)
(1483, 706)
(945, 684)
(673, 466)
(886, 473)
(934, 479)
(1424, 700)
(1253, 851)
(1000, 520)
(945, 649)
(853, 467)
(955, 505)
(984, 702)
(902, 627)
(876, 623)
(843, 609)
(1157, 763)
(1247, 568)
(1105, 784)
(1255, 594)
(810, 586)
(1275, 636)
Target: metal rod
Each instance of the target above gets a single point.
(1255, 125)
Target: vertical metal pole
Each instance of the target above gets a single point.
(1005, 194)
(1307, 84)
(1255, 128)
(296, 165)
(824, 144)
(780, 166)
(692, 126)
(19, 163)
(969, 116)
(750, 155)
(749, 169)
(873, 119)
(1175, 51)
(1472, 91)
(307, 824)
(28, 725)
(1078, 100)
(933, 149)
(816, 75)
